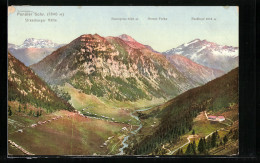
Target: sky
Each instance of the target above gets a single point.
(182, 24)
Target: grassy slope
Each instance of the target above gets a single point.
(74, 135)
(26, 87)
(118, 110)
(94, 105)
(215, 96)
(82, 135)
(203, 127)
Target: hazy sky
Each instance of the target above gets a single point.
(162, 35)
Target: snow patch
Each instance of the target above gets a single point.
(187, 44)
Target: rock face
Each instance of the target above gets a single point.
(194, 71)
(33, 50)
(114, 67)
(209, 54)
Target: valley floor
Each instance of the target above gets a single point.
(63, 133)
(97, 127)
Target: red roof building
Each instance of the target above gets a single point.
(212, 117)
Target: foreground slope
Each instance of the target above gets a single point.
(41, 123)
(176, 116)
(26, 87)
(63, 133)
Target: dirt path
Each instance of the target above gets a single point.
(53, 119)
(114, 147)
(170, 153)
(206, 114)
(20, 148)
(188, 138)
(166, 149)
(213, 132)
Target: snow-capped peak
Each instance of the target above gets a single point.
(197, 46)
(191, 42)
(208, 53)
(37, 43)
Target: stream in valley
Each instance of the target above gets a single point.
(125, 145)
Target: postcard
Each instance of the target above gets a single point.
(123, 80)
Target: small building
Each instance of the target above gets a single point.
(33, 125)
(220, 118)
(20, 130)
(216, 118)
(124, 129)
(211, 117)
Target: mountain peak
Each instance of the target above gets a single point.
(196, 40)
(131, 42)
(126, 37)
(209, 54)
(36, 43)
(36, 40)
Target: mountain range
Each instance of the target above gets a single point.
(33, 50)
(121, 68)
(115, 67)
(208, 54)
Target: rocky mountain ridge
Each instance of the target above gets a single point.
(208, 54)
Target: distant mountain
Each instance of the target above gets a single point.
(33, 50)
(114, 67)
(26, 87)
(194, 71)
(11, 46)
(37, 43)
(208, 54)
(31, 55)
(176, 115)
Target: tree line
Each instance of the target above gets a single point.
(24, 109)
